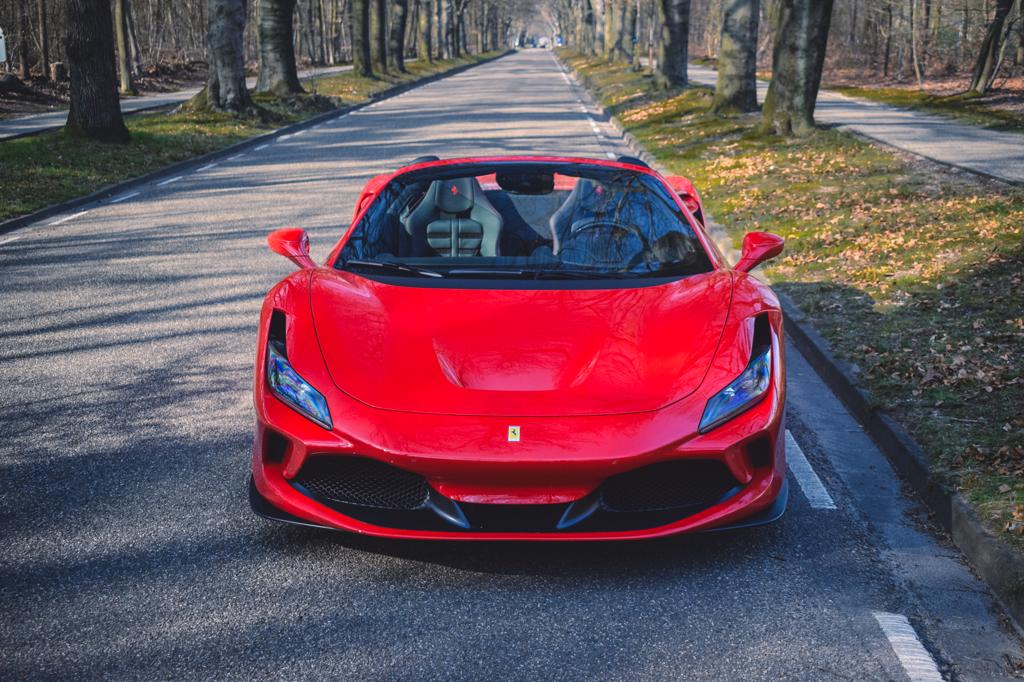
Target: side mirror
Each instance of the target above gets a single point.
(687, 193)
(757, 248)
(293, 244)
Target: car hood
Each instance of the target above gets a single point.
(518, 352)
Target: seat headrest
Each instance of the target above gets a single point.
(455, 196)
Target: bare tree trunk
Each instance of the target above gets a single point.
(396, 48)
(737, 57)
(442, 31)
(44, 41)
(800, 40)
(915, 30)
(24, 67)
(124, 62)
(133, 40)
(985, 66)
(673, 51)
(95, 108)
(278, 73)
(225, 83)
(379, 35)
(426, 46)
(362, 60)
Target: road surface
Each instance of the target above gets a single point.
(125, 430)
(981, 150)
(35, 123)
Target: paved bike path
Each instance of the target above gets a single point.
(989, 152)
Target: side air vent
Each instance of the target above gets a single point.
(276, 333)
(362, 481)
(680, 484)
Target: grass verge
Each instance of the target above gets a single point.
(913, 273)
(964, 107)
(51, 167)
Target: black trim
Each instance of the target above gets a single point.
(263, 508)
(496, 284)
(633, 160)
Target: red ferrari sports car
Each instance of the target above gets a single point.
(521, 348)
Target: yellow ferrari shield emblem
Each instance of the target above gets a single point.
(513, 434)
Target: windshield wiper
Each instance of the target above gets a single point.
(392, 267)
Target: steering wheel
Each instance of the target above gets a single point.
(585, 233)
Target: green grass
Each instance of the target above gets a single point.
(52, 167)
(965, 107)
(913, 274)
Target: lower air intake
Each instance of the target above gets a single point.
(362, 481)
(668, 485)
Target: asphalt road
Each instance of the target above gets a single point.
(35, 123)
(981, 150)
(125, 428)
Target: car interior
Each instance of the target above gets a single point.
(596, 218)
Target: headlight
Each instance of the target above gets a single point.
(287, 385)
(741, 394)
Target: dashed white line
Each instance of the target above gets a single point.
(9, 240)
(915, 659)
(207, 167)
(66, 218)
(169, 180)
(236, 156)
(262, 146)
(809, 482)
(124, 197)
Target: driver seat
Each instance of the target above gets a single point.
(585, 201)
(454, 218)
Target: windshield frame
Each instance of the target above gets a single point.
(382, 189)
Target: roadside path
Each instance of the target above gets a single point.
(35, 123)
(993, 153)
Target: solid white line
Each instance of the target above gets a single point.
(809, 482)
(124, 197)
(9, 240)
(262, 146)
(915, 659)
(169, 180)
(207, 167)
(69, 217)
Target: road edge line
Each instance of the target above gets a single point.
(999, 565)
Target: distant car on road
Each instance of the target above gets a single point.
(521, 348)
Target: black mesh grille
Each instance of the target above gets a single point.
(362, 481)
(668, 485)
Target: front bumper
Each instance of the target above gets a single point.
(552, 485)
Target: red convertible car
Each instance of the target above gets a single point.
(521, 348)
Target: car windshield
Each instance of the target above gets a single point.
(525, 221)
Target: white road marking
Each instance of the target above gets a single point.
(236, 156)
(263, 146)
(915, 659)
(809, 482)
(207, 167)
(301, 132)
(169, 180)
(610, 155)
(124, 197)
(66, 218)
(9, 240)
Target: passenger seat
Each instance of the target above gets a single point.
(454, 218)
